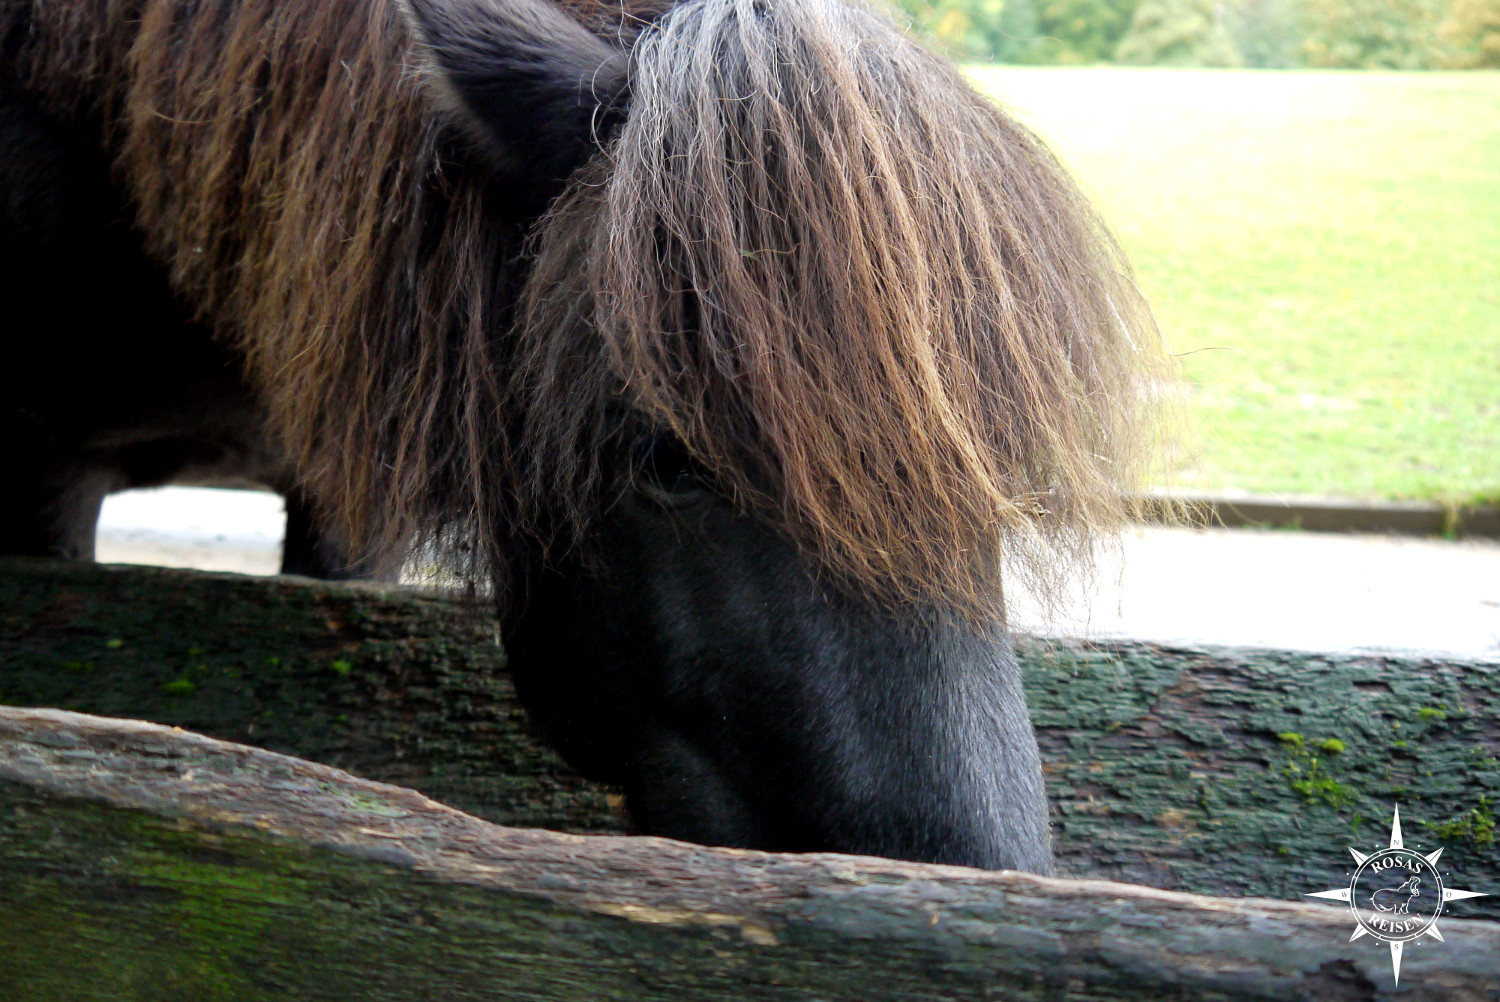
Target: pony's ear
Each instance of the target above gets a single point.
(538, 90)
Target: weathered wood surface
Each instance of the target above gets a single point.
(141, 862)
(1164, 764)
(392, 684)
(1239, 771)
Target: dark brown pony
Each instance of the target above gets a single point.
(732, 343)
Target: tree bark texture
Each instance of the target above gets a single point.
(140, 862)
(1218, 771)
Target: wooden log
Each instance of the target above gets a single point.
(144, 862)
(1246, 771)
(1221, 771)
(395, 684)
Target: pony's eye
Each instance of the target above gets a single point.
(668, 472)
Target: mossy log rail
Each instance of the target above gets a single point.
(1216, 771)
(145, 862)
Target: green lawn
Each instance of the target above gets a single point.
(1323, 248)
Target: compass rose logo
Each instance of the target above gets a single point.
(1396, 895)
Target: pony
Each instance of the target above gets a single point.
(728, 347)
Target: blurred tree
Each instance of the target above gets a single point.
(923, 17)
(1178, 33)
(1268, 33)
(966, 29)
(1023, 31)
(1019, 36)
(1081, 31)
(1373, 34)
(1472, 33)
(1391, 34)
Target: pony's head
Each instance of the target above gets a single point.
(737, 343)
(810, 340)
(868, 305)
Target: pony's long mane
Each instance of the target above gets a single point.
(870, 303)
(873, 304)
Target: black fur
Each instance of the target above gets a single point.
(105, 384)
(740, 703)
(540, 91)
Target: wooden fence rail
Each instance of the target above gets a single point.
(144, 862)
(188, 868)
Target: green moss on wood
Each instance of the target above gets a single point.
(424, 701)
(1166, 766)
(1272, 809)
(1476, 826)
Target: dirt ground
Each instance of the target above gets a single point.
(1314, 591)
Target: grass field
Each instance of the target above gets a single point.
(1323, 248)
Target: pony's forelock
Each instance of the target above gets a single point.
(865, 298)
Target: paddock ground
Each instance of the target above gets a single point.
(1322, 248)
(1272, 588)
